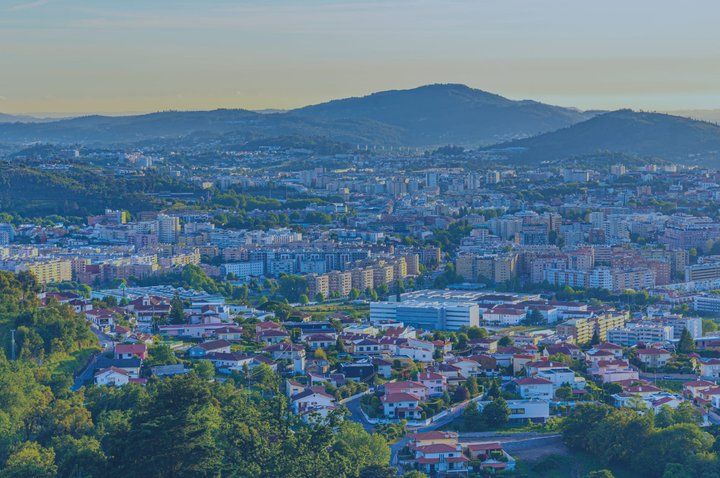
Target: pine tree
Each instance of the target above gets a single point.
(686, 344)
(177, 316)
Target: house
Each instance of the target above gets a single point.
(169, 370)
(532, 368)
(653, 358)
(112, 376)
(564, 348)
(127, 351)
(416, 388)
(468, 367)
(383, 367)
(435, 383)
(365, 346)
(614, 349)
(504, 316)
(483, 451)
(229, 360)
(101, 318)
(269, 325)
(693, 389)
(293, 387)
(319, 341)
(709, 368)
(272, 336)
(613, 371)
(401, 405)
(415, 353)
(441, 459)
(358, 372)
(293, 353)
(313, 401)
(147, 307)
(231, 334)
(562, 376)
(201, 350)
(194, 331)
(130, 365)
(535, 387)
(530, 410)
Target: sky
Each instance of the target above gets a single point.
(99, 56)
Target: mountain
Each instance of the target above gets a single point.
(629, 132)
(6, 118)
(425, 116)
(449, 114)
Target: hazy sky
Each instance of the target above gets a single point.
(76, 56)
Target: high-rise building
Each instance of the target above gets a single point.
(168, 228)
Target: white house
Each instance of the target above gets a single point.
(535, 387)
(529, 410)
(401, 405)
(313, 401)
(112, 376)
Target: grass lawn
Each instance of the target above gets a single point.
(570, 465)
(71, 363)
(675, 386)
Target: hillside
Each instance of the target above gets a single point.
(657, 135)
(449, 113)
(425, 116)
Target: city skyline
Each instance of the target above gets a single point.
(280, 55)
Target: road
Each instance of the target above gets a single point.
(356, 415)
(108, 344)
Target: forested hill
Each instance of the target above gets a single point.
(80, 191)
(449, 114)
(656, 135)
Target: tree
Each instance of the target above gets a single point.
(171, 435)
(292, 286)
(472, 418)
(505, 341)
(78, 457)
(354, 294)
(686, 344)
(461, 394)
(304, 299)
(535, 317)
(30, 460)
(177, 315)
(564, 392)
(320, 354)
(595, 339)
(378, 471)
(205, 369)
(472, 387)
(319, 297)
(496, 413)
(361, 448)
(414, 474)
(475, 333)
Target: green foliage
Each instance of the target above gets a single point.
(292, 287)
(686, 344)
(623, 437)
(496, 413)
(30, 460)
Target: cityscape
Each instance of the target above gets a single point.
(423, 280)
